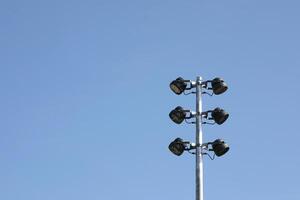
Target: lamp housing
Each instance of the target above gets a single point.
(219, 115)
(178, 115)
(220, 147)
(218, 86)
(178, 86)
(177, 147)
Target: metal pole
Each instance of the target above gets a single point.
(199, 156)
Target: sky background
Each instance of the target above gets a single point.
(85, 98)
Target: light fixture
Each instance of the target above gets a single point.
(218, 86)
(178, 146)
(178, 86)
(219, 147)
(219, 115)
(178, 115)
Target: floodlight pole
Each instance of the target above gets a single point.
(199, 155)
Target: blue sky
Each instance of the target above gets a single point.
(85, 98)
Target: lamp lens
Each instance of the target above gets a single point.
(175, 89)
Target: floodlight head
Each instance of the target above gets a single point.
(220, 147)
(218, 86)
(177, 147)
(178, 86)
(219, 115)
(177, 115)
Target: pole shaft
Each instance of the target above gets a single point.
(199, 156)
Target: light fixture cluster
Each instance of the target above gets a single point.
(217, 85)
(217, 115)
(178, 146)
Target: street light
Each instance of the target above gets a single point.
(178, 115)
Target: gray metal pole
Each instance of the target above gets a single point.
(199, 156)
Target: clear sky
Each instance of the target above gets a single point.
(85, 98)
